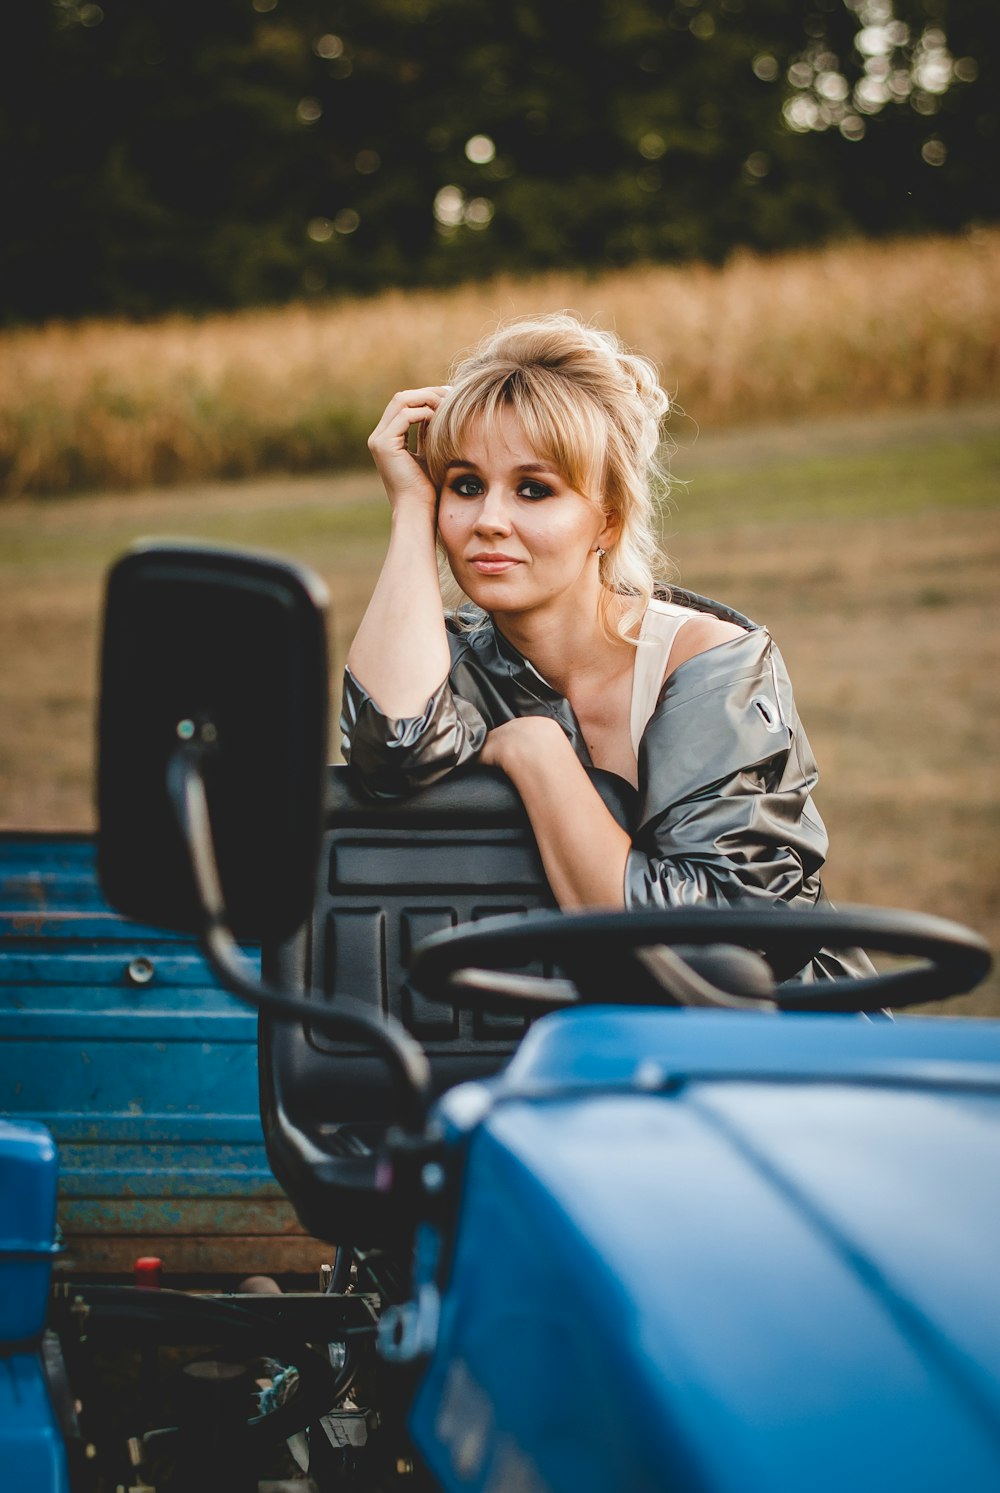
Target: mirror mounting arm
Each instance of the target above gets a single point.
(186, 788)
(350, 1020)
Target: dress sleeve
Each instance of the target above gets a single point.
(725, 780)
(396, 755)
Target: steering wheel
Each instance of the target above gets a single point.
(629, 958)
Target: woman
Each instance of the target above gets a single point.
(535, 471)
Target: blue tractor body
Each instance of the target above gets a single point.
(701, 1251)
(32, 1453)
(695, 1251)
(118, 1039)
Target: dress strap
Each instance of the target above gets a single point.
(661, 623)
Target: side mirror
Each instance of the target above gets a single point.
(221, 654)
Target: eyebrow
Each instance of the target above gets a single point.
(532, 466)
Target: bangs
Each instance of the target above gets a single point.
(561, 428)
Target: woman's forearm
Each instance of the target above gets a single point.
(583, 848)
(400, 651)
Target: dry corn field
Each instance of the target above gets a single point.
(103, 406)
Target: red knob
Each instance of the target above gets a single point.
(148, 1270)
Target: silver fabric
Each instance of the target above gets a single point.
(725, 771)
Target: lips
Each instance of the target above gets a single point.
(492, 563)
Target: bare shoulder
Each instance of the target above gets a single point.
(698, 636)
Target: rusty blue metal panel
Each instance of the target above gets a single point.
(118, 1038)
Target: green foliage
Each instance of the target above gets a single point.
(195, 154)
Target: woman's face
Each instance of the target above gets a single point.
(516, 534)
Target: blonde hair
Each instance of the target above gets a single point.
(593, 409)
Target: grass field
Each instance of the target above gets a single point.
(869, 545)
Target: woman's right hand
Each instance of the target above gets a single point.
(404, 474)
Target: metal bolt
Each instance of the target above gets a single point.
(433, 1177)
(649, 1075)
(325, 1276)
(139, 971)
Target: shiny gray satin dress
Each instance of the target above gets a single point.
(725, 771)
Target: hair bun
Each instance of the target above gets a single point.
(647, 383)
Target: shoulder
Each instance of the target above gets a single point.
(700, 632)
(678, 598)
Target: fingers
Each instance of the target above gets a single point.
(406, 408)
(403, 472)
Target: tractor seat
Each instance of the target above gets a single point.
(391, 873)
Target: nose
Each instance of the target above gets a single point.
(493, 516)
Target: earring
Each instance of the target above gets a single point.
(599, 552)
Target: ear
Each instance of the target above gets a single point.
(609, 534)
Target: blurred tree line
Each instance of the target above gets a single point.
(194, 154)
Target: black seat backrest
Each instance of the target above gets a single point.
(391, 873)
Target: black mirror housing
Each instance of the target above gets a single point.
(226, 652)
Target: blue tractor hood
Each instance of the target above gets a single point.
(722, 1251)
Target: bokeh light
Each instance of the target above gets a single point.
(328, 46)
(480, 149)
(832, 86)
(478, 212)
(652, 146)
(896, 68)
(449, 206)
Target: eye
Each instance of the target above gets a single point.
(467, 487)
(533, 491)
